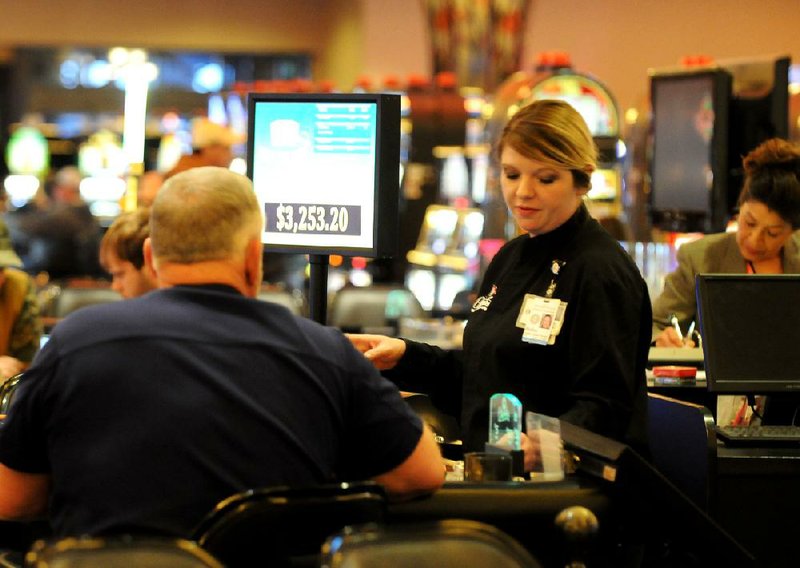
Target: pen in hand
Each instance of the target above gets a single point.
(673, 319)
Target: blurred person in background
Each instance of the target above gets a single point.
(63, 237)
(20, 324)
(766, 240)
(149, 184)
(212, 145)
(122, 256)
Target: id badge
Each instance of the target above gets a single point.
(541, 318)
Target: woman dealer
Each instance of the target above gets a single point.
(588, 368)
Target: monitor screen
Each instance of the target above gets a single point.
(438, 229)
(749, 328)
(759, 110)
(326, 170)
(590, 98)
(689, 154)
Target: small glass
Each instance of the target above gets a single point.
(487, 466)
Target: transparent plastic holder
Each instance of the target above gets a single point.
(546, 430)
(505, 421)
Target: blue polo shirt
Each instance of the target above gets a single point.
(148, 412)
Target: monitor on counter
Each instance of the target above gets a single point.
(749, 328)
(759, 110)
(326, 170)
(689, 166)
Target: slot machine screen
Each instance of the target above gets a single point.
(689, 154)
(326, 170)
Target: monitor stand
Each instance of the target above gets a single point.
(783, 408)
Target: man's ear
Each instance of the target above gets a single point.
(252, 265)
(147, 251)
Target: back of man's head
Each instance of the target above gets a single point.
(204, 214)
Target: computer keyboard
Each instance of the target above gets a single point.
(756, 435)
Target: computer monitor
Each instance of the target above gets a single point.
(326, 170)
(759, 110)
(689, 166)
(749, 328)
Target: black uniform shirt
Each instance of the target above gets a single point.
(594, 374)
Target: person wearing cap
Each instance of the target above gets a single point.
(212, 145)
(20, 324)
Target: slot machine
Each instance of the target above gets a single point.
(553, 77)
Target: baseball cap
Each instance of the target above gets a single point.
(207, 133)
(8, 258)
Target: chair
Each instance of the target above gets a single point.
(58, 301)
(449, 543)
(284, 298)
(7, 391)
(683, 446)
(71, 298)
(119, 552)
(286, 525)
(373, 308)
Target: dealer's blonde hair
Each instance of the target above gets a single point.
(554, 133)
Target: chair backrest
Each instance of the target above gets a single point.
(683, 446)
(449, 543)
(72, 298)
(286, 525)
(372, 308)
(119, 552)
(284, 298)
(7, 391)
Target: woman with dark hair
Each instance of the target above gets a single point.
(766, 240)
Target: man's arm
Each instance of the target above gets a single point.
(421, 473)
(22, 495)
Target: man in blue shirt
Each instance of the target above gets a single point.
(139, 416)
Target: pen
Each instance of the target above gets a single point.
(674, 321)
(691, 330)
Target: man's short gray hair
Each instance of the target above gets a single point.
(203, 214)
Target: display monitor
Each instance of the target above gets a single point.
(759, 110)
(587, 95)
(689, 165)
(326, 170)
(438, 229)
(749, 328)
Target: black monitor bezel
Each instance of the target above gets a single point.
(711, 355)
(714, 216)
(385, 225)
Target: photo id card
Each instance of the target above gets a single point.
(538, 317)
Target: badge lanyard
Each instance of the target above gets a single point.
(555, 268)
